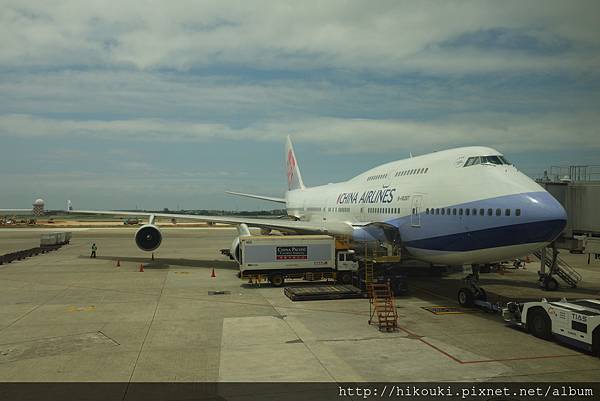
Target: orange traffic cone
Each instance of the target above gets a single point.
(212, 274)
(118, 263)
(141, 267)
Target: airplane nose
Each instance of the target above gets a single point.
(548, 214)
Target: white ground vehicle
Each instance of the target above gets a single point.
(56, 238)
(573, 322)
(294, 256)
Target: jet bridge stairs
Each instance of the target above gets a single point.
(556, 266)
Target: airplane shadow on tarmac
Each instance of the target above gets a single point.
(498, 288)
(164, 263)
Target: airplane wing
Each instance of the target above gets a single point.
(340, 228)
(262, 197)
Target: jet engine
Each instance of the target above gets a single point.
(234, 251)
(148, 237)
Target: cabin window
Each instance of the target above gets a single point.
(507, 212)
(460, 212)
(437, 211)
(489, 212)
(454, 212)
(443, 211)
(448, 212)
(427, 169)
(467, 211)
(518, 212)
(498, 212)
(481, 212)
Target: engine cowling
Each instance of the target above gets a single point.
(234, 251)
(148, 237)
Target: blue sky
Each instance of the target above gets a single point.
(123, 105)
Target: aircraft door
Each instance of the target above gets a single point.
(415, 215)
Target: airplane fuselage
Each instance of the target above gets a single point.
(459, 206)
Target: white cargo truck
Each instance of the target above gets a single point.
(573, 322)
(294, 256)
(55, 238)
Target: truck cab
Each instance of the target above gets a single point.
(345, 261)
(572, 322)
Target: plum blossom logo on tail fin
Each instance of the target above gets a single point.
(291, 165)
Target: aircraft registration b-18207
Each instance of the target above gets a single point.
(461, 206)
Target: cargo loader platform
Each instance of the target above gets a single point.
(323, 292)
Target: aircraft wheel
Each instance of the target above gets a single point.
(400, 288)
(596, 342)
(277, 280)
(539, 324)
(465, 297)
(482, 295)
(345, 277)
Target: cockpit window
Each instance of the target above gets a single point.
(504, 161)
(491, 159)
(496, 159)
(472, 161)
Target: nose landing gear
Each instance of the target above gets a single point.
(472, 291)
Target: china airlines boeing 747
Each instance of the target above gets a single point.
(460, 206)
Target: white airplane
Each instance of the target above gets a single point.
(460, 206)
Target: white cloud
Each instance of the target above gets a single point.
(345, 77)
(383, 36)
(507, 132)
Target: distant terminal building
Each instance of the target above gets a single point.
(38, 207)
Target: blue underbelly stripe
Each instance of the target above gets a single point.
(514, 234)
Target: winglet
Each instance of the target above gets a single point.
(293, 171)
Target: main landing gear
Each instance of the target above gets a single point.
(471, 292)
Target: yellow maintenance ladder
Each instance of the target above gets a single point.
(383, 307)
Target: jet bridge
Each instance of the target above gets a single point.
(577, 188)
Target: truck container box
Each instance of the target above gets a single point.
(261, 254)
